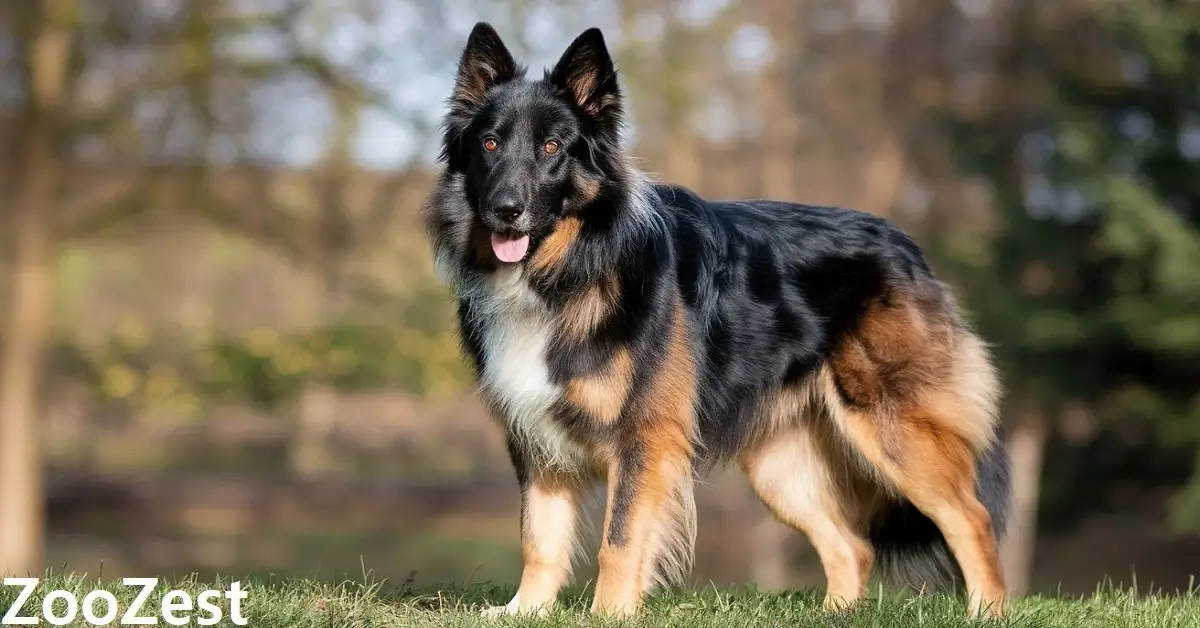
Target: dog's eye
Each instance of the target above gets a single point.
(551, 147)
(490, 144)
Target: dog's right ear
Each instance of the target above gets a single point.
(485, 62)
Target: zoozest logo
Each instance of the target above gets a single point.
(100, 608)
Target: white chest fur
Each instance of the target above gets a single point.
(516, 334)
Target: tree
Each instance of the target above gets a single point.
(1091, 280)
(45, 31)
(177, 98)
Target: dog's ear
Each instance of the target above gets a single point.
(587, 73)
(485, 62)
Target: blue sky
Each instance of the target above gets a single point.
(416, 66)
(416, 71)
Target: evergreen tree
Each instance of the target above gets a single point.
(1092, 284)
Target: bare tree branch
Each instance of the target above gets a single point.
(101, 207)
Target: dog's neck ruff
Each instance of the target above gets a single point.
(516, 325)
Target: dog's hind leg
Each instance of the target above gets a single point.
(803, 481)
(915, 393)
(934, 468)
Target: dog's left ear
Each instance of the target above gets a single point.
(587, 73)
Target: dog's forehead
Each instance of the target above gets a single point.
(529, 108)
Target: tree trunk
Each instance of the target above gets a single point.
(316, 408)
(1026, 446)
(27, 325)
(316, 416)
(885, 174)
(770, 564)
(30, 304)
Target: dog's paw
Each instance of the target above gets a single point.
(514, 608)
(495, 612)
(838, 604)
(626, 610)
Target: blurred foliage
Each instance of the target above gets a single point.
(418, 354)
(1094, 279)
(269, 369)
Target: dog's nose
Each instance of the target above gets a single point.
(507, 208)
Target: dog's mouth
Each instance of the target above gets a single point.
(510, 248)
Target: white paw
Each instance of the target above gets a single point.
(514, 608)
(494, 612)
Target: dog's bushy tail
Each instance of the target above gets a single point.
(911, 551)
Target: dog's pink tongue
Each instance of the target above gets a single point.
(510, 249)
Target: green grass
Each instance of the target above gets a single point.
(310, 604)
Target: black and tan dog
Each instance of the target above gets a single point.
(635, 333)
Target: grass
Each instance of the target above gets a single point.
(363, 604)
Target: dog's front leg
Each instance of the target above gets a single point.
(649, 521)
(549, 512)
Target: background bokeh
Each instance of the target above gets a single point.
(222, 349)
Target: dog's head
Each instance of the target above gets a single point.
(531, 152)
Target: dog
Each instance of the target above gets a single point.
(630, 333)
